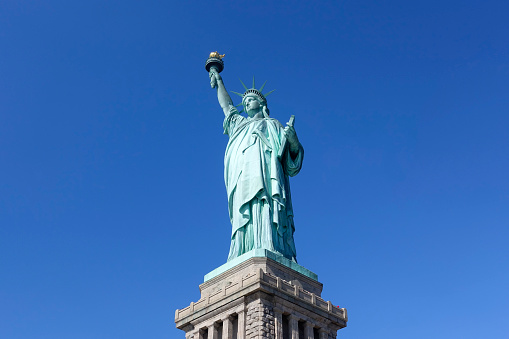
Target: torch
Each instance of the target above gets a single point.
(214, 62)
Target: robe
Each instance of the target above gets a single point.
(256, 177)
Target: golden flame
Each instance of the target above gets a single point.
(216, 55)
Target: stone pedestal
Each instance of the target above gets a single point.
(261, 298)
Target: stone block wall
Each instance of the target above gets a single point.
(259, 320)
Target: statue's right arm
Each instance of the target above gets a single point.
(222, 95)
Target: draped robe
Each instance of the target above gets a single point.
(256, 177)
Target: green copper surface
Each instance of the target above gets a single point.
(260, 253)
(260, 157)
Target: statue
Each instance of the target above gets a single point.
(260, 156)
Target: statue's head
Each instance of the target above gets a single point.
(254, 101)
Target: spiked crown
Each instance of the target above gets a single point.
(253, 91)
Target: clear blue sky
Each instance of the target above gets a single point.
(112, 201)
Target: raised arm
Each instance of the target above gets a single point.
(222, 95)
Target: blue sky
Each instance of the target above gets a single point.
(112, 201)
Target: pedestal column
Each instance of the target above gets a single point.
(227, 328)
(241, 325)
(278, 323)
(213, 334)
(308, 331)
(293, 323)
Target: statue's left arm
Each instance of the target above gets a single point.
(294, 145)
(295, 151)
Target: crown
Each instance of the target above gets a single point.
(253, 91)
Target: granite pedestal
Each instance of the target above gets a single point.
(261, 297)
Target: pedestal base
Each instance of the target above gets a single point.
(261, 298)
(261, 253)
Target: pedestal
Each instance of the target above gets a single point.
(261, 297)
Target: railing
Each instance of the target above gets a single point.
(271, 280)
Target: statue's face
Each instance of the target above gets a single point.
(252, 105)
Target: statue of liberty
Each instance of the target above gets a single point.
(260, 156)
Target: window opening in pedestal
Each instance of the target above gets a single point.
(286, 327)
(235, 326)
(302, 324)
(219, 330)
